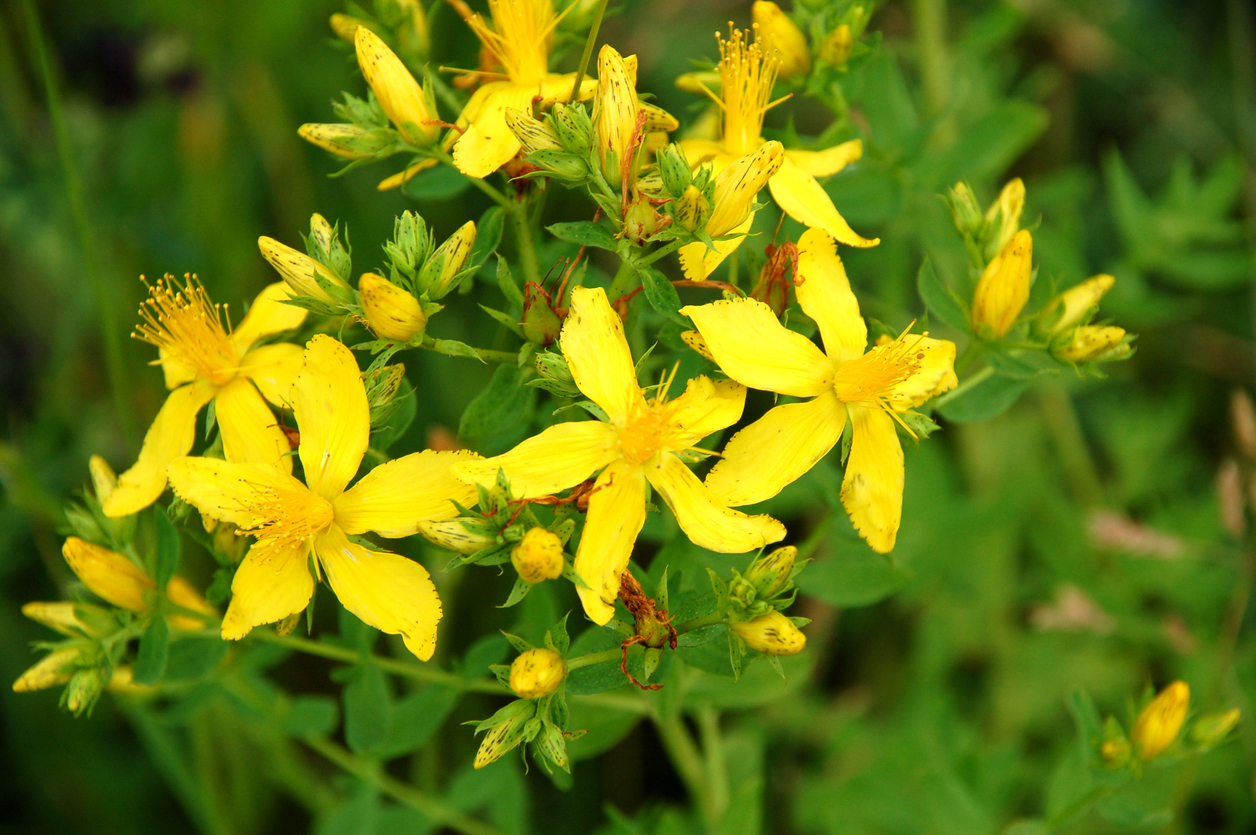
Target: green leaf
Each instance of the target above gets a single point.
(584, 233)
(311, 716)
(1022, 365)
(438, 183)
(417, 718)
(853, 575)
(989, 145)
(662, 296)
(488, 234)
(984, 401)
(498, 407)
(368, 710)
(596, 678)
(193, 657)
(154, 651)
(509, 287)
(1131, 209)
(511, 323)
(169, 549)
(942, 302)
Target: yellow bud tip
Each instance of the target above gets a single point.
(390, 311)
(1160, 722)
(538, 556)
(536, 673)
(782, 35)
(771, 634)
(398, 93)
(297, 269)
(108, 574)
(1004, 285)
(103, 477)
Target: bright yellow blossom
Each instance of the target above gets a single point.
(519, 40)
(641, 442)
(755, 349)
(1160, 722)
(294, 521)
(747, 75)
(204, 359)
(114, 578)
(399, 94)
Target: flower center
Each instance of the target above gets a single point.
(288, 515)
(645, 432)
(520, 36)
(189, 329)
(873, 377)
(747, 74)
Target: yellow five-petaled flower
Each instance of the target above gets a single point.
(293, 521)
(754, 348)
(641, 442)
(204, 360)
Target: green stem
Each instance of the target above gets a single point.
(716, 764)
(119, 383)
(687, 759)
(623, 281)
(1066, 431)
(972, 382)
(698, 623)
(612, 654)
(658, 253)
(497, 197)
(428, 806)
(527, 247)
(930, 20)
(588, 49)
(388, 665)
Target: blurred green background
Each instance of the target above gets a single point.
(1096, 535)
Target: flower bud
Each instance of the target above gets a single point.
(537, 672)
(770, 573)
(555, 374)
(466, 536)
(506, 734)
(657, 120)
(771, 634)
(1092, 343)
(390, 311)
(103, 477)
(108, 574)
(301, 272)
(561, 165)
(692, 209)
(1160, 722)
(1003, 217)
(382, 385)
(1004, 286)
(552, 745)
(675, 171)
(574, 128)
(1115, 751)
(346, 26)
(965, 213)
(738, 184)
(1211, 730)
(84, 690)
(1075, 306)
(73, 619)
(55, 668)
(780, 33)
(641, 221)
(538, 556)
(442, 268)
(533, 134)
(834, 50)
(614, 114)
(344, 140)
(413, 33)
(541, 324)
(398, 93)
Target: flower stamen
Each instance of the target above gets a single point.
(188, 328)
(747, 75)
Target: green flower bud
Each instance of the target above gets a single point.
(770, 573)
(442, 268)
(541, 324)
(1211, 730)
(382, 385)
(466, 536)
(675, 170)
(965, 213)
(85, 688)
(555, 375)
(574, 128)
(692, 209)
(533, 135)
(537, 673)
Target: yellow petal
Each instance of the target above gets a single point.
(270, 584)
(109, 575)
(560, 457)
(707, 522)
(705, 407)
(182, 593)
(387, 591)
(489, 143)
(329, 401)
(250, 431)
(698, 151)
(776, 450)
(176, 373)
(829, 161)
(699, 261)
(170, 436)
(824, 292)
(616, 515)
(227, 490)
(597, 353)
(53, 669)
(757, 351)
(803, 199)
(270, 314)
(783, 37)
(395, 497)
(872, 491)
(936, 374)
(272, 368)
(556, 87)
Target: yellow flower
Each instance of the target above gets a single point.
(771, 634)
(538, 556)
(640, 443)
(755, 349)
(1160, 722)
(294, 521)
(401, 97)
(1006, 213)
(205, 360)
(747, 75)
(390, 311)
(519, 40)
(1004, 285)
(116, 579)
(537, 673)
(780, 32)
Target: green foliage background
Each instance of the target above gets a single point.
(930, 699)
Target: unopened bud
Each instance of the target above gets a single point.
(1115, 751)
(398, 93)
(108, 574)
(614, 113)
(346, 26)
(537, 673)
(555, 374)
(84, 690)
(965, 213)
(466, 536)
(835, 48)
(538, 556)
(1004, 286)
(73, 619)
(103, 477)
(506, 734)
(541, 323)
(303, 275)
(1160, 722)
(552, 744)
(442, 268)
(656, 118)
(574, 128)
(533, 134)
(413, 34)
(692, 209)
(1002, 219)
(561, 165)
(1075, 306)
(770, 573)
(1211, 730)
(344, 140)
(675, 171)
(784, 36)
(55, 668)
(1091, 343)
(641, 221)
(390, 311)
(771, 634)
(738, 184)
(382, 386)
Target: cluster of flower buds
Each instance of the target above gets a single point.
(751, 605)
(1065, 324)
(318, 277)
(836, 33)
(1158, 730)
(692, 193)
(403, 21)
(540, 715)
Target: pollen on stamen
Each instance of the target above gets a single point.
(188, 327)
(288, 516)
(747, 75)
